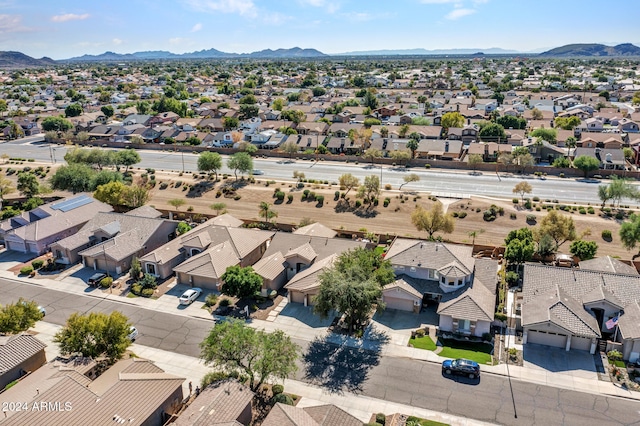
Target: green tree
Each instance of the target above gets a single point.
(559, 227)
(370, 100)
(451, 119)
(432, 220)
(56, 123)
(107, 110)
(73, 110)
(404, 129)
(522, 188)
(74, 177)
(400, 156)
(561, 162)
(630, 232)
(136, 269)
(234, 347)
(536, 114)
(413, 144)
(618, 189)
(520, 246)
(475, 160)
(177, 203)
(584, 250)
(348, 181)
(110, 193)
(218, 207)
(241, 282)
(370, 189)
(412, 177)
(182, 228)
(18, 317)
(266, 212)
(372, 154)
(135, 196)
(248, 99)
(549, 135)
(240, 162)
(248, 111)
(28, 184)
(567, 123)
(289, 147)
(210, 162)
(278, 104)
(193, 141)
(127, 158)
(492, 131)
(511, 122)
(230, 122)
(353, 286)
(94, 335)
(6, 188)
(586, 163)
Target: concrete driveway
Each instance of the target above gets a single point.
(557, 360)
(398, 325)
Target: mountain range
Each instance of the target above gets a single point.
(593, 49)
(11, 59)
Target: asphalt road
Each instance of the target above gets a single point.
(342, 369)
(458, 182)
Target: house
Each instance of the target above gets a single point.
(321, 415)
(628, 126)
(466, 134)
(132, 391)
(430, 272)
(488, 150)
(109, 241)
(305, 285)
(543, 151)
(246, 246)
(610, 159)
(317, 230)
(20, 354)
(438, 149)
(226, 402)
(34, 231)
(569, 308)
(591, 125)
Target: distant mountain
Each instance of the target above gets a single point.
(420, 51)
(294, 52)
(20, 60)
(594, 49)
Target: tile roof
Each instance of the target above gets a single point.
(430, 254)
(330, 415)
(608, 264)
(271, 266)
(316, 230)
(403, 284)
(211, 263)
(628, 324)
(220, 403)
(323, 247)
(15, 349)
(145, 211)
(304, 251)
(287, 415)
(582, 287)
(308, 279)
(227, 220)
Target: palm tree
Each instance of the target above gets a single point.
(266, 212)
(218, 207)
(474, 234)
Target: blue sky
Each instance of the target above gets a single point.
(65, 28)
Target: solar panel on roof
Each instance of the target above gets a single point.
(72, 203)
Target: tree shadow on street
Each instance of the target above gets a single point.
(340, 367)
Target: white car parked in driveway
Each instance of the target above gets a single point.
(189, 296)
(133, 333)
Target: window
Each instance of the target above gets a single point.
(431, 273)
(442, 280)
(151, 268)
(464, 325)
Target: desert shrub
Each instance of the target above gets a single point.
(614, 355)
(26, 270)
(106, 282)
(277, 389)
(536, 199)
(358, 203)
(305, 194)
(420, 332)
(320, 199)
(454, 214)
(336, 195)
(225, 302)
(386, 202)
(486, 337)
(280, 195)
(527, 204)
(513, 216)
(531, 218)
(590, 210)
(515, 200)
(164, 185)
(606, 234)
(136, 288)
(290, 198)
(462, 215)
(489, 215)
(37, 264)
(282, 398)
(427, 166)
(211, 299)
(147, 292)
(582, 210)
(381, 418)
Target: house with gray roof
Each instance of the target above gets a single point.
(570, 308)
(109, 241)
(464, 288)
(19, 355)
(320, 415)
(224, 403)
(34, 231)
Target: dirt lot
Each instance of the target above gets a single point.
(392, 220)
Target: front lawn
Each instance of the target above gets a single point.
(423, 343)
(476, 351)
(424, 422)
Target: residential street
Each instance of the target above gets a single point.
(340, 369)
(457, 182)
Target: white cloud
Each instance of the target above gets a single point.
(459, 13)
(329, 6)
(274, 18)
(176, 41)
(10, 23)
(117, 41)
(439, 1)
(197, 27)
(69, 17)
(241, 7)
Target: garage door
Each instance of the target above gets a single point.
(399, 304)
(296, 296)
(581, 343)
(549, 339)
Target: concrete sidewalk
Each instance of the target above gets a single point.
(388, 341)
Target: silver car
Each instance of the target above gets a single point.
(189, 296)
